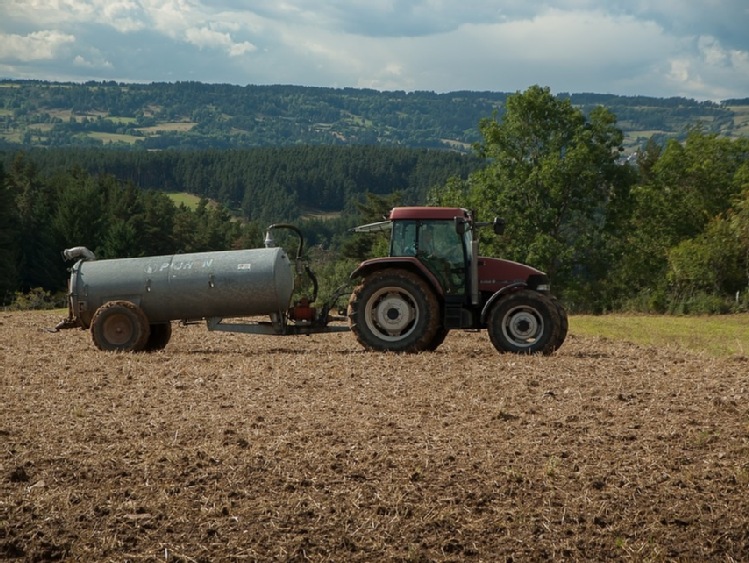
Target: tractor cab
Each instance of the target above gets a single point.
(436, 244)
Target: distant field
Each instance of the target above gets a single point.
(188, 200)
(741, 120)
(169, 126)
(114, 138)
(116, 119)
(319, 214)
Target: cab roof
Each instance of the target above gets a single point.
(437, 213)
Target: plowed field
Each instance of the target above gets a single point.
(244, 448)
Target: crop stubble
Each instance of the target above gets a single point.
(235, 447)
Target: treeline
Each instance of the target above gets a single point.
(42, 215)
(270, 184)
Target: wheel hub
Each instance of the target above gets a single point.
(523, 327)
(391, 314)
(117, 330)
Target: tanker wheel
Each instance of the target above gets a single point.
(120, 326)
(394, 311)
(525, 322)
(160, 335)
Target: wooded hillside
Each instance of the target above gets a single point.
(196, 115)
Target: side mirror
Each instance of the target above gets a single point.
(460, 226)
(498, 225)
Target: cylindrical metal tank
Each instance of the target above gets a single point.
(235, 283)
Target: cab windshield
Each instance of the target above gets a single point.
(437, 245)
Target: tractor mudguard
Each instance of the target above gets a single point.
(407, 263)
(502, 292)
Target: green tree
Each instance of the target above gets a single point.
(553, 174)
(40, 264)
(374, 208)
(739, 218)
(77, 216)
(711, 263)
(9, 241)
(683, 192)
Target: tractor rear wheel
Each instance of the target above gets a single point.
(120, 326)
(525, 322)
(439, 338)
(394, 310)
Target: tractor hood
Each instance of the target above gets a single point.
(496, 273)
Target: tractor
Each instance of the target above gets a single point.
(434, 281)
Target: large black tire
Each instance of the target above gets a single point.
(525, 322)
(120, 326)
(564, 323)
(160, 335)
(439, 338)
(394, 310)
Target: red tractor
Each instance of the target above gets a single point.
(434, 281)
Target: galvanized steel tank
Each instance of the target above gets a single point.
(235, 283)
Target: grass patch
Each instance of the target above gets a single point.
(169, 126)
(107, 138)
(310, 213)
(717, 335)
(190, 201)
(122, 120)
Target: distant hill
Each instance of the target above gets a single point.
(193, 115)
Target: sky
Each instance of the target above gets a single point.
(697, 49)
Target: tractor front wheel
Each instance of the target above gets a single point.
(120, 326)
(525, 322)
(394, 310)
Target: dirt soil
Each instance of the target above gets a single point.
(228, 447)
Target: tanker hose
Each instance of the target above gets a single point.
(269, 239)
(315, 286)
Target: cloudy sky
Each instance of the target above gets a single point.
(693, 48)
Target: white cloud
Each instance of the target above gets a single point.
(99, 63)
(204, 37)
(239, 49)
(209, 38)
(39, 45)
(666, 48)
(711, 51)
